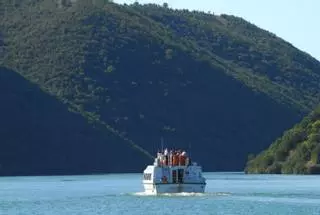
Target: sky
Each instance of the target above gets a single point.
(296, 21)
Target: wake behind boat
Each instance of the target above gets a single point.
(173, 172)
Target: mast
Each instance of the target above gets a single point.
(161, 144)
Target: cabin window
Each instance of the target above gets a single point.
(180, 175)
(174, 176)
(147, 176)
(177, 176)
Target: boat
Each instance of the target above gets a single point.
(173, 172)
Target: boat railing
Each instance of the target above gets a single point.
(172, 158)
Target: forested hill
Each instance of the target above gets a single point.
(110, 80)
(296, 152)
(40, 136)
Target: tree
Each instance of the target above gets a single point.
(110, 69)
(168, 54)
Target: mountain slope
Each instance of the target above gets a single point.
(297, 151)
(40, 136)
(256, 57)
(146, 72)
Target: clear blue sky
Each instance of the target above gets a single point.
(296, 21)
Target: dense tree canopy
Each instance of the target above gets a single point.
(135, 73)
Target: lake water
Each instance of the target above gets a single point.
(226, 193)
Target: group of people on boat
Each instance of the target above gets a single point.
(173, 158)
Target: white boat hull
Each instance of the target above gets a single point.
(174, 188)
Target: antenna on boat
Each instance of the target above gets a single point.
(161, 144)
(189, 150)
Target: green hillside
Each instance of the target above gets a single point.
(296, 152)
(40, 136)
(136, 73)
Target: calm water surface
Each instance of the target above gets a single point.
(226, 193)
